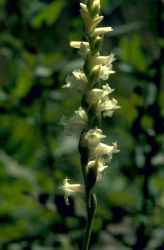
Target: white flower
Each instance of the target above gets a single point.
(105, 71)
(106, 67)
(100, 167)
(82, 46)
(77, 44)
(99, 98)
(101, 60)
(78, 120)
(76, 81)
(101, 31)
(105, 64)
(71, 189)
(94, 96)
(92, 138)
(107, 106)
(104, 149)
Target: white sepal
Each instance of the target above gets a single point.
(77, 80)
(108, 106)
(92, 138)
(71, 189)
(77, 121)
(104, 149)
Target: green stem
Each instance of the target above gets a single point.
(91, 211)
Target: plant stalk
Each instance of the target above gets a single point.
(91, 211)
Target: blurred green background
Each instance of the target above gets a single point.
(36, 155)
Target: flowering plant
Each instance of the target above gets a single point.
(95, 103)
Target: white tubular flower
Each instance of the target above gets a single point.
(101, 167)
(102, 30)
(78, 120)
(101, 60)
(76, 81)
(108, 106)
(106, 66)
(92, 138)
(104, 149)
(77, 44)
(105, 71)
(82, 46)
(94, 96)
(71, 189)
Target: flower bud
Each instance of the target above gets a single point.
(92, 176)
(77, 44)
(93, 7)
(71, 189)
(95, 74)
(97, 44)
(101, 31)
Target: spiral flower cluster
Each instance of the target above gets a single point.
(95, 103)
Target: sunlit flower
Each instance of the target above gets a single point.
(76, 81)
(101, 31)
(94, 96)
(104, 149)
(108, 106)
(71, 189)
(78, 120)
(100, 167)
(92, 138)
(77, 44)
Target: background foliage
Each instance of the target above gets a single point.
(35, 154)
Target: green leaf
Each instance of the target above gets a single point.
(49, 14)
(24, 83)
(132, 52)
(2, 2)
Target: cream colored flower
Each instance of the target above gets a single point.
(100, 167)
(106, 68)
(104, 149)
(78, 120)
(77, 44)
(92, 138)
(94, 96)
(76, 81)
(105, 64)
(101, 31)
(82, 46)
(71, 189)
(106, 71)
(107, 106)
